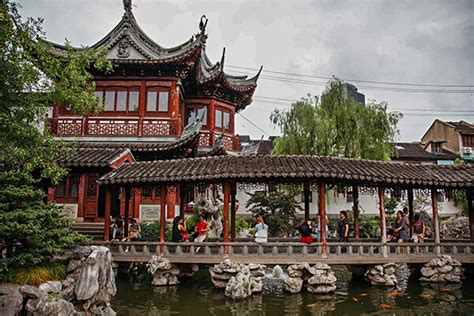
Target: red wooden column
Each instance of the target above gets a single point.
(182, 197)
(108, 201)
(306, 193)
(126, 198)
(163, 190)
(51, 193)
(322, 215)
(434, 205)
(411, 213)
(355, 208)
(136, 202)
(383, 221)
(233, 192)
(170, 202)
(469, 197)
(81, 195)
(226, 187)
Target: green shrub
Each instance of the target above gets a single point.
(151, 231)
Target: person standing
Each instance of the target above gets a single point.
(175, 234)
(343, 227)
(419, 229)
(261, 230)
(306, 232)
(401, 229)
(201, 228)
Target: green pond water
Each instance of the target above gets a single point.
(353, 297)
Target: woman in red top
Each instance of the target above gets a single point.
(201, 228)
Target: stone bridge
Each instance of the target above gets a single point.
(353, 253)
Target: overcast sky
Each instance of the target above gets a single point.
(429, 42)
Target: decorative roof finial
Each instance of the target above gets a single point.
(203, 23)
(127, 6)
(223, 58)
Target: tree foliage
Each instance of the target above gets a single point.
(31, 80)
(278, 209)
(335, 125)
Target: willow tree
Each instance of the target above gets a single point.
(31, 80)
(335, 125)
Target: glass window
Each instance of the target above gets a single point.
(151, 101)
(73, 186)
(218, 118)
(61, 189)
(109, 100)
(133, 101)
(121, 100)
(191, 115)
(100, 96)
(226, 119)
(202, 113)
(163, 101)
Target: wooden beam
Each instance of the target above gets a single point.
(108, 202)
(411, 212)
(322, 215)
(469, 197)
(233, 192)
(163, 190)
(383, 221)
(434, 205)
(306, 193)
(355, 208)
(226, 187)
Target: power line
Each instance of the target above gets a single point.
(359, 80)
(257, 127)
(391, 89)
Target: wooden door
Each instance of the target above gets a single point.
(91, 196)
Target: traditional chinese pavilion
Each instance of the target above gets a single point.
(160, 103)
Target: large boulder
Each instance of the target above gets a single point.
(293, 284)
(163, 271)
(56, 307)
(455, 227)
(51, 287)
(383, 275)
(11, 301)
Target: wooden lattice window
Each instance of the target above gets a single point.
(67, 190)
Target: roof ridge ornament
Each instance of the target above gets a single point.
(127, 6)
(202, 23)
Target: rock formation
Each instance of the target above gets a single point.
(163, 271)
(239, 281)
(317, 279)
(382, 275)
(455, 227)
(442, 269)
(87, 289)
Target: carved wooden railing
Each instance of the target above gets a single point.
(119, 126)
(292, 250)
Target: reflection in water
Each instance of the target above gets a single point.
(197, 297)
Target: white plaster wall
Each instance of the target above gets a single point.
(368, 204)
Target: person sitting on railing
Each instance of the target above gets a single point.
(306, 232)
(117, 228)
(201, 229)
(134, 232)
(419, 229)
(261, 230)
(343, 227)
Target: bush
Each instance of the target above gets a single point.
(151, 232)
(368, 226)
(36, 275)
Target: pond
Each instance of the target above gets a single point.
(353, 297)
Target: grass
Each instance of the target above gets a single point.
(36, 275)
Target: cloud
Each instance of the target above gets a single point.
(397, 41)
